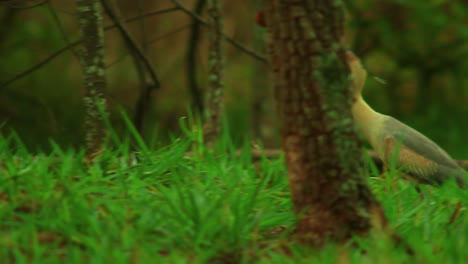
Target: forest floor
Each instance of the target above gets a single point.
(169, 207)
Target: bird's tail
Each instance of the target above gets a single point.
(460, 176)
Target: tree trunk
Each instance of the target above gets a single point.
(92, 61)
(325, 166)
(212, 125)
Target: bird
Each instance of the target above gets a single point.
(396, 143)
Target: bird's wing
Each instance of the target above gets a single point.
(419, 144)
(412, 163)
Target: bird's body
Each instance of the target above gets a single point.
(399, 144)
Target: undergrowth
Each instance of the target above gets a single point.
(182, 203)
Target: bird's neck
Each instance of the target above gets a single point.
(367, 120)
(362, 112)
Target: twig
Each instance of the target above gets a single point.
(40, 64)
(131, 43)
(258, 154)
(175, 31)
(73, 44)
(228, 39)
(143, 101)
(455, 213)
(128, 20)
(162, 36)
(25, 6)
(57, 21)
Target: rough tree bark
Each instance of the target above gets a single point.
(325, 166)
(92, 61)
(212, 125)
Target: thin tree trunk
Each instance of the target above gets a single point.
(212, 125)
(92, 61)
(325, 166)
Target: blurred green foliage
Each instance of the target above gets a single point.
(419, 48)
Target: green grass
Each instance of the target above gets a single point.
(168, 207)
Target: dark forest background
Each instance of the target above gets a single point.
(416, 53)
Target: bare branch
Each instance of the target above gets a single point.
(258, 154)
(131, 43)
(40, 64)
(73, 44)
(191, 68)
(128, 20)
(163, 36)
(228, 39)
(144, 94)
(175, 31)
(23, 7)
(57, 21)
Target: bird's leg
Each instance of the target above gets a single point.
(396, 190)
(390, 146)
(387, 177)
(455, 213)
(417, 187)
(394, 184)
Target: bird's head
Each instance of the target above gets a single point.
(358, 73)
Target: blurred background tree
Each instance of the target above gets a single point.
(417, 52)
